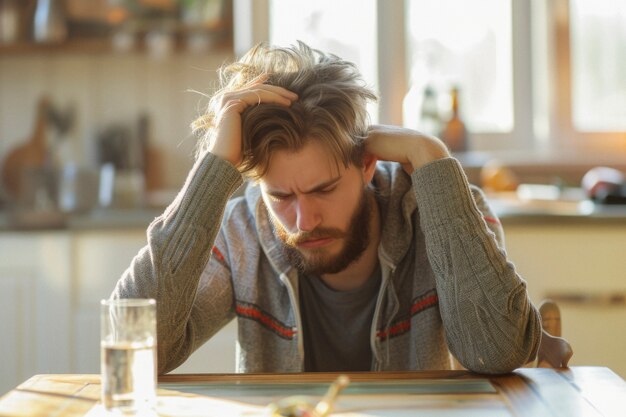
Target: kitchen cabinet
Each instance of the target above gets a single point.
(35, 305)
(101, 258)
(582, 265)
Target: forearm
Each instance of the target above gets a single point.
(179, 245)
(490, 323)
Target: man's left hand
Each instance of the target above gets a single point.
(408, 147)
(554, 352)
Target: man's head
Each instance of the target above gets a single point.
(308, 157)
(331, 105)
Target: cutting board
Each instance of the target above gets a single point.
(31, 154)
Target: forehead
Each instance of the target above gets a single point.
(301, 169)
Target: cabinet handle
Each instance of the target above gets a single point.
(580, 298)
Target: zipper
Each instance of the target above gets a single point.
(387, 271)
(296, 308)
(284, 278)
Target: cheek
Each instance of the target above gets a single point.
(283, 212)
(352, 197)
(338, 213)
(348, 211)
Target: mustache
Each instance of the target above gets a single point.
(294, 239)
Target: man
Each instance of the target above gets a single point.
(357, 247)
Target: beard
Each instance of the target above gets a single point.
(318, 261)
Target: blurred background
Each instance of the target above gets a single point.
(96, 98)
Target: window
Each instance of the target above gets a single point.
(543, 75)
(468, 45)
(598, 67)
(322, 24)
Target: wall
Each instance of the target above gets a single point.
(109, 88)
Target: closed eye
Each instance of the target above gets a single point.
(279, 197)
(327, 190)
(326, 187)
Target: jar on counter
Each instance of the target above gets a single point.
(9, 21)
(50, 24)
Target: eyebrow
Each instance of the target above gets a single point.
(315, 189)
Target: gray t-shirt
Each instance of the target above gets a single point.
(337, 324)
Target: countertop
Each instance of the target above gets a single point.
(510, 211)
(98, 219)
(556, 211)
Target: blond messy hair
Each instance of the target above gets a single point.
(331, 106)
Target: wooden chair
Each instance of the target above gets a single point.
(554, 351)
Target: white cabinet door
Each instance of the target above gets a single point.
(578, 259)
(215, 356)
(101, 258)
(16, 348)
(35, 305)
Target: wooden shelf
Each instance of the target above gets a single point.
(215, 40)
(97, 36)
(74, 45)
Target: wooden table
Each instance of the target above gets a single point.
(578, 391)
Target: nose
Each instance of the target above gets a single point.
(307, 215)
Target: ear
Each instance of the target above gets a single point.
(369, 167)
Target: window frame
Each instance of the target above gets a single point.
(542, 108)
(562, 134)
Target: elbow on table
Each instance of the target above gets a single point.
(496, 366)
(171, 355)
(504, 357)
(165, 364)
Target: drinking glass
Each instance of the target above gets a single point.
(128, 355)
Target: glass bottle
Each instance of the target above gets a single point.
(454, 133)
(9, 21)
(430, 121)
(50, 22)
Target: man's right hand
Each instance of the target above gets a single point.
(226, 140)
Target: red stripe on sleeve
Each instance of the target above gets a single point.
(218, 254)
(491, 219)
(254, 313)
